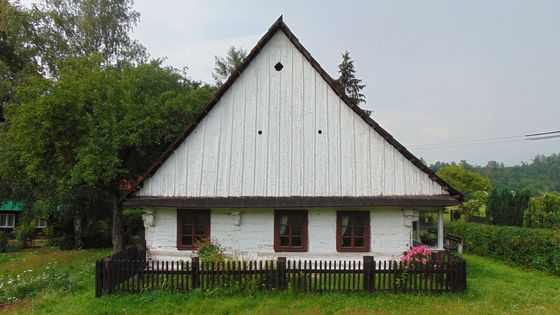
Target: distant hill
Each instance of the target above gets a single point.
(540, 175)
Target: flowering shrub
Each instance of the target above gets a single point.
(418, 254)
(210, 250)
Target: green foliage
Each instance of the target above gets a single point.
(224, 67)
(463, 180)
(210, 250)
(537, 249)
(540, 175)
(347, 79)
(3, 242)
(543, 212)
(24, 233)
(505, 207)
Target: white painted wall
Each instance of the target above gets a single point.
(391, 233)
(225, 156)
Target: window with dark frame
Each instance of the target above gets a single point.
(192, 225)
(290, 231)
(352, 231)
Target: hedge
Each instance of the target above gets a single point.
(532, 248)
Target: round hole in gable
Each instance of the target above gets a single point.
(320, 131)
(279, 66)
(260, 132)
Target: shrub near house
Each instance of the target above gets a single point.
(532, 248)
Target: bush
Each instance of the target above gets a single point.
(543, 212)
(210, 250)
(24, 232)
(531, 248)
(3, 242)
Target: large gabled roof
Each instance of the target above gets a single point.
(279, 25)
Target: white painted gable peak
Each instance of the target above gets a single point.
(280, 127)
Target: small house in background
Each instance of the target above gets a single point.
(280, 163)
(10, 213)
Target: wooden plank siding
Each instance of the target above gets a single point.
(310, 143)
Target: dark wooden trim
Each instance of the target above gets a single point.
(304, 231)
(297, 201)
(279, 25)
(367, 232)
(180, 212)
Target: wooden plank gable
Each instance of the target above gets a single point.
(270, 133)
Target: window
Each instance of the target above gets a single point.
(352, 231)
(290, 231)
(7, 220)
(41, 224)
(192, 225)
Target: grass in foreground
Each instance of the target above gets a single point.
(493, 288)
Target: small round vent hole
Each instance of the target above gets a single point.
(278, 66)
(320, 131)
(260, 132)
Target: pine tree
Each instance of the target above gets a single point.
(225, 66)
(352, 86)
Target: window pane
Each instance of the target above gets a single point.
(2, 220)
(297, 230)
(297, 241)
(284, 241)
(283, 230)
(200, 229)
(359, 219)
(296, 219)
(187, 229)
(187, 240)
(200, 219)
(359, 242)
(346, 242)
(11, 219)
(359, 231)
(187, 219)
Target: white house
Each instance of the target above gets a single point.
(280, 163)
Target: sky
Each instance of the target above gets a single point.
(435, 71)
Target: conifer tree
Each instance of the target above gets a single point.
(352, 86)
(225, 66)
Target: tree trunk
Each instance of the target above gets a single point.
(118, 237)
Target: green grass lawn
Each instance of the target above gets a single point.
(66, 286)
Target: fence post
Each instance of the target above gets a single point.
(368, 279)
(98, 278)
(195, 275)
(281, 273)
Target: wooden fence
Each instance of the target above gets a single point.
(132, 273)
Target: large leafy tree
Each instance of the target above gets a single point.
(347, 79)
(18, 50)
(224, 66)
(473, 185)
(70, 28)
(94, 128)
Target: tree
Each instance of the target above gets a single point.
(70, 28)
(94, 128)
(474, 186)
(224, 67)
(465, 181)
(350, 84)
(18, 50)
(506, 207)
(543, 212)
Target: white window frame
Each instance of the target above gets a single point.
(41, 226)
(4, 220)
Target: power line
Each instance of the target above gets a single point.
(496, 140)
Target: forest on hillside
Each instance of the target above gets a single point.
(540, 175)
